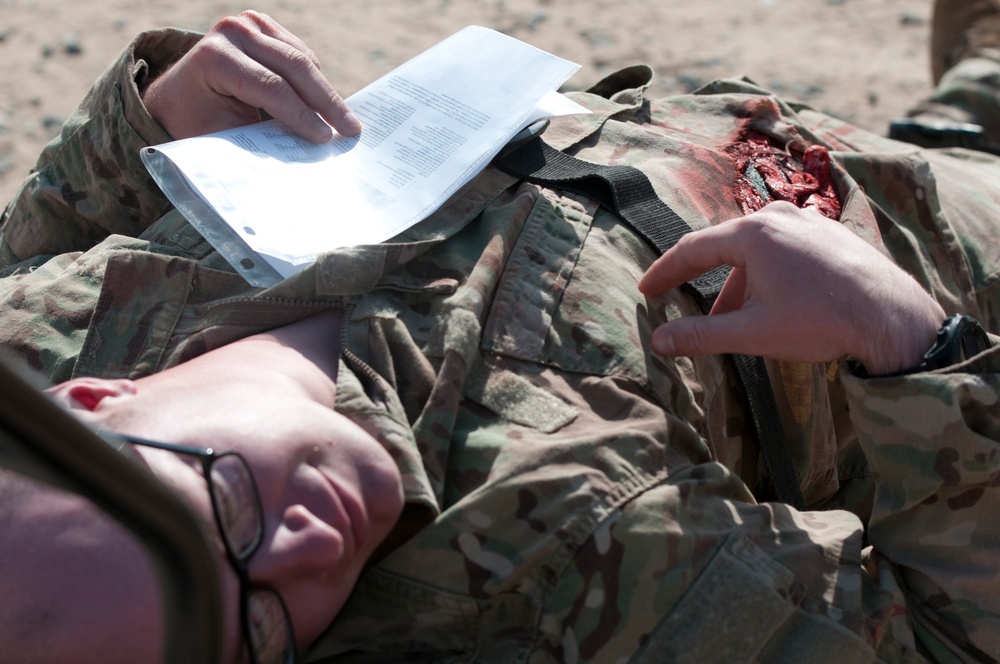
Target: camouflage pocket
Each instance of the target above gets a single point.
(744, 608)
(568, 296)
(729, 613)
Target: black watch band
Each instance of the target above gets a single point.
(959, 338)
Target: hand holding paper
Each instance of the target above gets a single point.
(246, 63)
(429, 126)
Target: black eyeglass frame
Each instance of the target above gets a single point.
(208, 458)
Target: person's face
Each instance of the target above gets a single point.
(330, 492)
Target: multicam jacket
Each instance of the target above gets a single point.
(570, 496)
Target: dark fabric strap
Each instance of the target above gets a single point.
(627, 192)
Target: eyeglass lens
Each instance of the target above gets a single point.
(237, 505)
(270, 637)
(238, 512)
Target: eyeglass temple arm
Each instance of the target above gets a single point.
(35, 435)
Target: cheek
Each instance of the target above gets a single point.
(369, 467)
(314, 607)
(384, 489)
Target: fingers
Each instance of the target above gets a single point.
(277, 72)
(734, 292)
(732, 243)
(695, 253)
(706, 335)
(755, 329)
(729, 328)
(780, 298)
(275, 30)
(802, 289)
(247, 63)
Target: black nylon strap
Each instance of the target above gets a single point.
(627, 192)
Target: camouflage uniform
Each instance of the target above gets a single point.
(571, 497)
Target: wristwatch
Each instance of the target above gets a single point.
(959, 338)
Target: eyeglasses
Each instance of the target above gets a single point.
(267, 627)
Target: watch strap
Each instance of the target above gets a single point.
(959, 338)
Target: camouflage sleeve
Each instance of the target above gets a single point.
(89, 182)
(933, 441)
(693, 570)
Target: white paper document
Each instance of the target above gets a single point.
(429, 126)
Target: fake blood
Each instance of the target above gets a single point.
(768, 173)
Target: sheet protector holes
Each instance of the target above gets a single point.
(249, 231)
(247, 264)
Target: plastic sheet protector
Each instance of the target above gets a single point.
(271, 202)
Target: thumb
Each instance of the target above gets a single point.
(703, 335)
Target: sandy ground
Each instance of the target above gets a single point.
(861, 60)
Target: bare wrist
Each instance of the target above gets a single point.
(154, 101)
(904, 328)
(902, 342)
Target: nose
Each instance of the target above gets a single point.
(302, 546)
(307, 561)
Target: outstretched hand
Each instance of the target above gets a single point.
(803, 288)
(246, 63)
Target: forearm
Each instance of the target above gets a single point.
(90, 181)
(933, 441)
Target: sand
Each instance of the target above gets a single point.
(861, 60)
